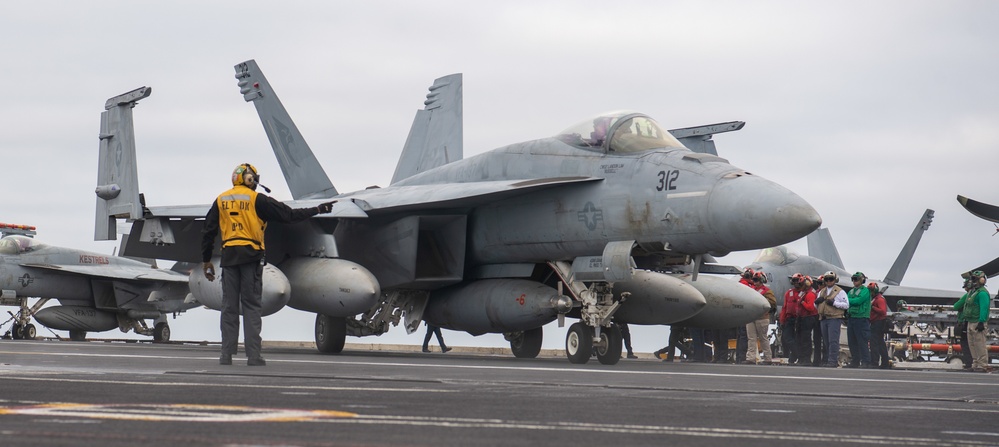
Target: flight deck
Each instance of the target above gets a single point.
(117, 394)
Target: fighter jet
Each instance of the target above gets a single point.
(96, 292)
(779, 263)
(502, 242)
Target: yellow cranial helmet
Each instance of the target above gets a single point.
(245, 174)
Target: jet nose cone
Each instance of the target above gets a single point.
(750, 212)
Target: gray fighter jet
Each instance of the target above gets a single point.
(96, 292)
(779, 263)
(502, 242)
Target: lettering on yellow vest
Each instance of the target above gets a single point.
(238, 220)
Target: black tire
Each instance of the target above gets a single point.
(609, 348)
(77, 335)
(528, 345)
(15, 331)
(28, 332)
(161, 333)
(331, 333)
(579, 343)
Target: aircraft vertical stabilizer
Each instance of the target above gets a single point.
(901, 264)
(305, 176)
(821, 246)
(435, 139)
(117, 176)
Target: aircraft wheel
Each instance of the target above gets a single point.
(77, 335)
(579, 343)
(528, 345)
(844, 357)
(161, 333)
(15, 331)
(609, 346)
(331, 333)
(28, 332)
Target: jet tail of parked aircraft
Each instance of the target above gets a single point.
(435, 139)
(897, 271)
(821, 246)
(117, 177)
(305, 176)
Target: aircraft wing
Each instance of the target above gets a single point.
(990, 269)
(401, 198)
(115, 272)
(983, 210)
(918, 294)
(341, 209)
(452, 195)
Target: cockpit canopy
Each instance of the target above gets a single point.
(629, 132)
(776, 255)
(15, 245)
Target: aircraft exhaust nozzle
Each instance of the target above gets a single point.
(493, 306)
(729, 304)
(657, 298)
(274, 295)
(750, 213)
(68, 318)
(331, 286)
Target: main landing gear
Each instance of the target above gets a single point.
(527, 344)
(331, 333)
(582, 341)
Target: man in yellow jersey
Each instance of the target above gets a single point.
(241, 214)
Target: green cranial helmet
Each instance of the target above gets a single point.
(977, 277)
(859, 276)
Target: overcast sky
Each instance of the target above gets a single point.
(871, 111)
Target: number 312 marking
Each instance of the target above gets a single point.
(667, 180)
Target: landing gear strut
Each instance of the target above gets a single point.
(22, 329)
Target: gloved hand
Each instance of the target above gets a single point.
(819, 301)
(325, 208)
(209, 270)
(980, 327)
